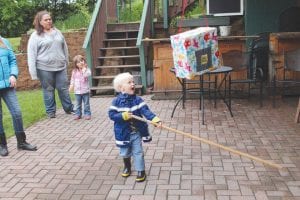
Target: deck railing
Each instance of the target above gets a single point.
(96, 28)
(105, 11)
(145, 31)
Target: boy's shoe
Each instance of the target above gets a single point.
(141, 176)
(87, 117)
(77, 117)
(127, 167)
(126, 172)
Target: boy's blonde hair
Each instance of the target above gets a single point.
(120, 79)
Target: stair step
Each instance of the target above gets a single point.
(120, 39)
(123, 26)
(118, 48)
(111, 76)
(109, 87)
(117, 66)
(119, 45)
(116, 57)
(122, 31)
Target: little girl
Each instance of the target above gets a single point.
(80, 85)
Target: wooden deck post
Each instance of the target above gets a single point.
(297, 117)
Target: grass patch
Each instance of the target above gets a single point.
(32, 107)
(15, 42)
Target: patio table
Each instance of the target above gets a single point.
(225, 70)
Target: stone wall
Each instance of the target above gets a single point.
(74, 40)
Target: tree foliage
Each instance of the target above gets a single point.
(13, 14)
(16, 16)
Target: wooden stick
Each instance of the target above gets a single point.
(212, 143)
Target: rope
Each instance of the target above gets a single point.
(212, 143)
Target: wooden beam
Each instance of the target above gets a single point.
(297, 117)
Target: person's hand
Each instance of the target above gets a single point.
(13, 81)
(126, 115)
(158, 124)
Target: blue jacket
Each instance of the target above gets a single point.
(8, 64)
(123, 129)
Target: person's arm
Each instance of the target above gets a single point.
(66, 52)
(117, 116)
(32, 56)
(65, 47)
(87, 72)
(146, 112)
(14, 72)
(71, 88)
(12, 61)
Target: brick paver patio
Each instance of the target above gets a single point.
(79, 160)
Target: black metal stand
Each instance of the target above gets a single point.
(217, 89)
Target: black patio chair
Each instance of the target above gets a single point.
(260, 48)
(287, 76)
(248, 73)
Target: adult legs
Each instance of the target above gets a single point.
(47, 80)
(10, 98)
(62, 86)
(3, 143)
(11, 101)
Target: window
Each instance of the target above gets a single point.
(225, 7)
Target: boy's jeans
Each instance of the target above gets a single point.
(10, 98)
(85, 98)
(59, 80)
(135, 150)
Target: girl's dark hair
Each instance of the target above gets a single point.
(37, 19)
(77, 59)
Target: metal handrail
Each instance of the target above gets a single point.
(142, 34)
(91, 25)
(97, 27)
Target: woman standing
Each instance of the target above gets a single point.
(8, 81)
(48, 59)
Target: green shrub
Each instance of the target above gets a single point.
(132, 15)
(77, 21)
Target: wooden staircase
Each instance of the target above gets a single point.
(119, 54)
